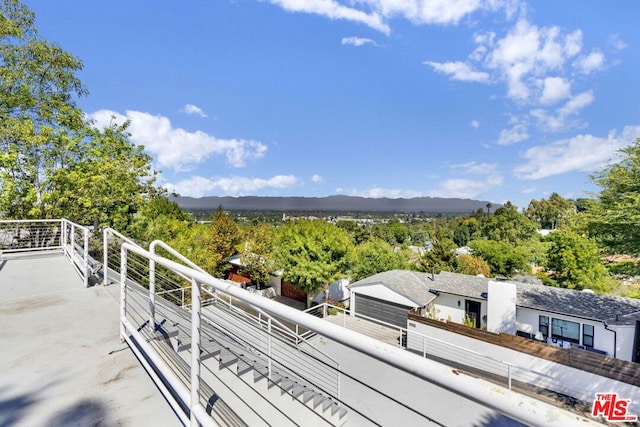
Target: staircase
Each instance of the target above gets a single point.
(248, 376)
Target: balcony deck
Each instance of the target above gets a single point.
(61, 359)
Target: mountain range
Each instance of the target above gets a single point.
(332, 204)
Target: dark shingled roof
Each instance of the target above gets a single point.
(410, 284)
(587, 305)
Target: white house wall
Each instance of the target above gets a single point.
(337, 290)
(501, 307)
(528, 368)
(527, 321)
(450, 307)
(625, 335)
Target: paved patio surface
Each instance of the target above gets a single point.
(61, 359)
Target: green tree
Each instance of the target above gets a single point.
(614, 220)
(399, 231)
(222, 238)
(375, 256)
(52, 161)
(508, 225)
(549, 214)
(159, 218)
(312, 254)
(473, 265)
(256, 252)
(107, 179)
(441, 257)
(574, 262)
(503, 258)
(37, 112)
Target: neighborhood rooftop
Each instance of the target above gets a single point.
(421, 288)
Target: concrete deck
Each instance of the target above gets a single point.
(61, 359)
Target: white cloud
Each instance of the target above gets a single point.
(376, 13)
(563, 118)
(198, 186)
(176, 148)
(476, 168)
(518, 132)
(590, 63)
(317, 178)
(468, 189)
(377, 192)
(475, 124)
(581, 153)
(357, 41)
(429, 12)
(334, 10)
(617, 42)
(193, 109)
(526, 55)
(577, 103)
(555, 89)
(459, 71)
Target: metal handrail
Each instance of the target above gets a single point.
(105, 248)
(289, 337)
(441, 375)
(509, 365)
(66, 241)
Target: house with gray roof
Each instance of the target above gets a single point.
(561, 317)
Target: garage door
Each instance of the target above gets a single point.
(385, 311)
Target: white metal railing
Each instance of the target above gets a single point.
(466, 386)
(41, 235)
(458, 355)
(278, 342)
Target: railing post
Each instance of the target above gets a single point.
(152, 294)
(123, 291)
(269, 345)
(424, 347)
(509, 375)
(73, 241)
(105, 257)
(63, 238)
(195, 349)
(86, 257)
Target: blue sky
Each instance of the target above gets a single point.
(491, 100)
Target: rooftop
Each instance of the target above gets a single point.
(419, 287)
(62, 360)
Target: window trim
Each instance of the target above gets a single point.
(562, 336)
(543, 328)
(585, 335)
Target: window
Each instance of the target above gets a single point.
(543, 326)
(587, 335)
(565, 330)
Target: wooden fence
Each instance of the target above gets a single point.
(609, 367)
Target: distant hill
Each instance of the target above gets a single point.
(332, 204)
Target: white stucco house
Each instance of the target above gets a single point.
(561, 317)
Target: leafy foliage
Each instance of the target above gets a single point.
(221, 240)
(53, 163)
(256, 252)
(508, 225)
(614, 220)
(373, 257)
(312, 253)
(473, 265)
(503, 258)
(549, 214)
(574, 261)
